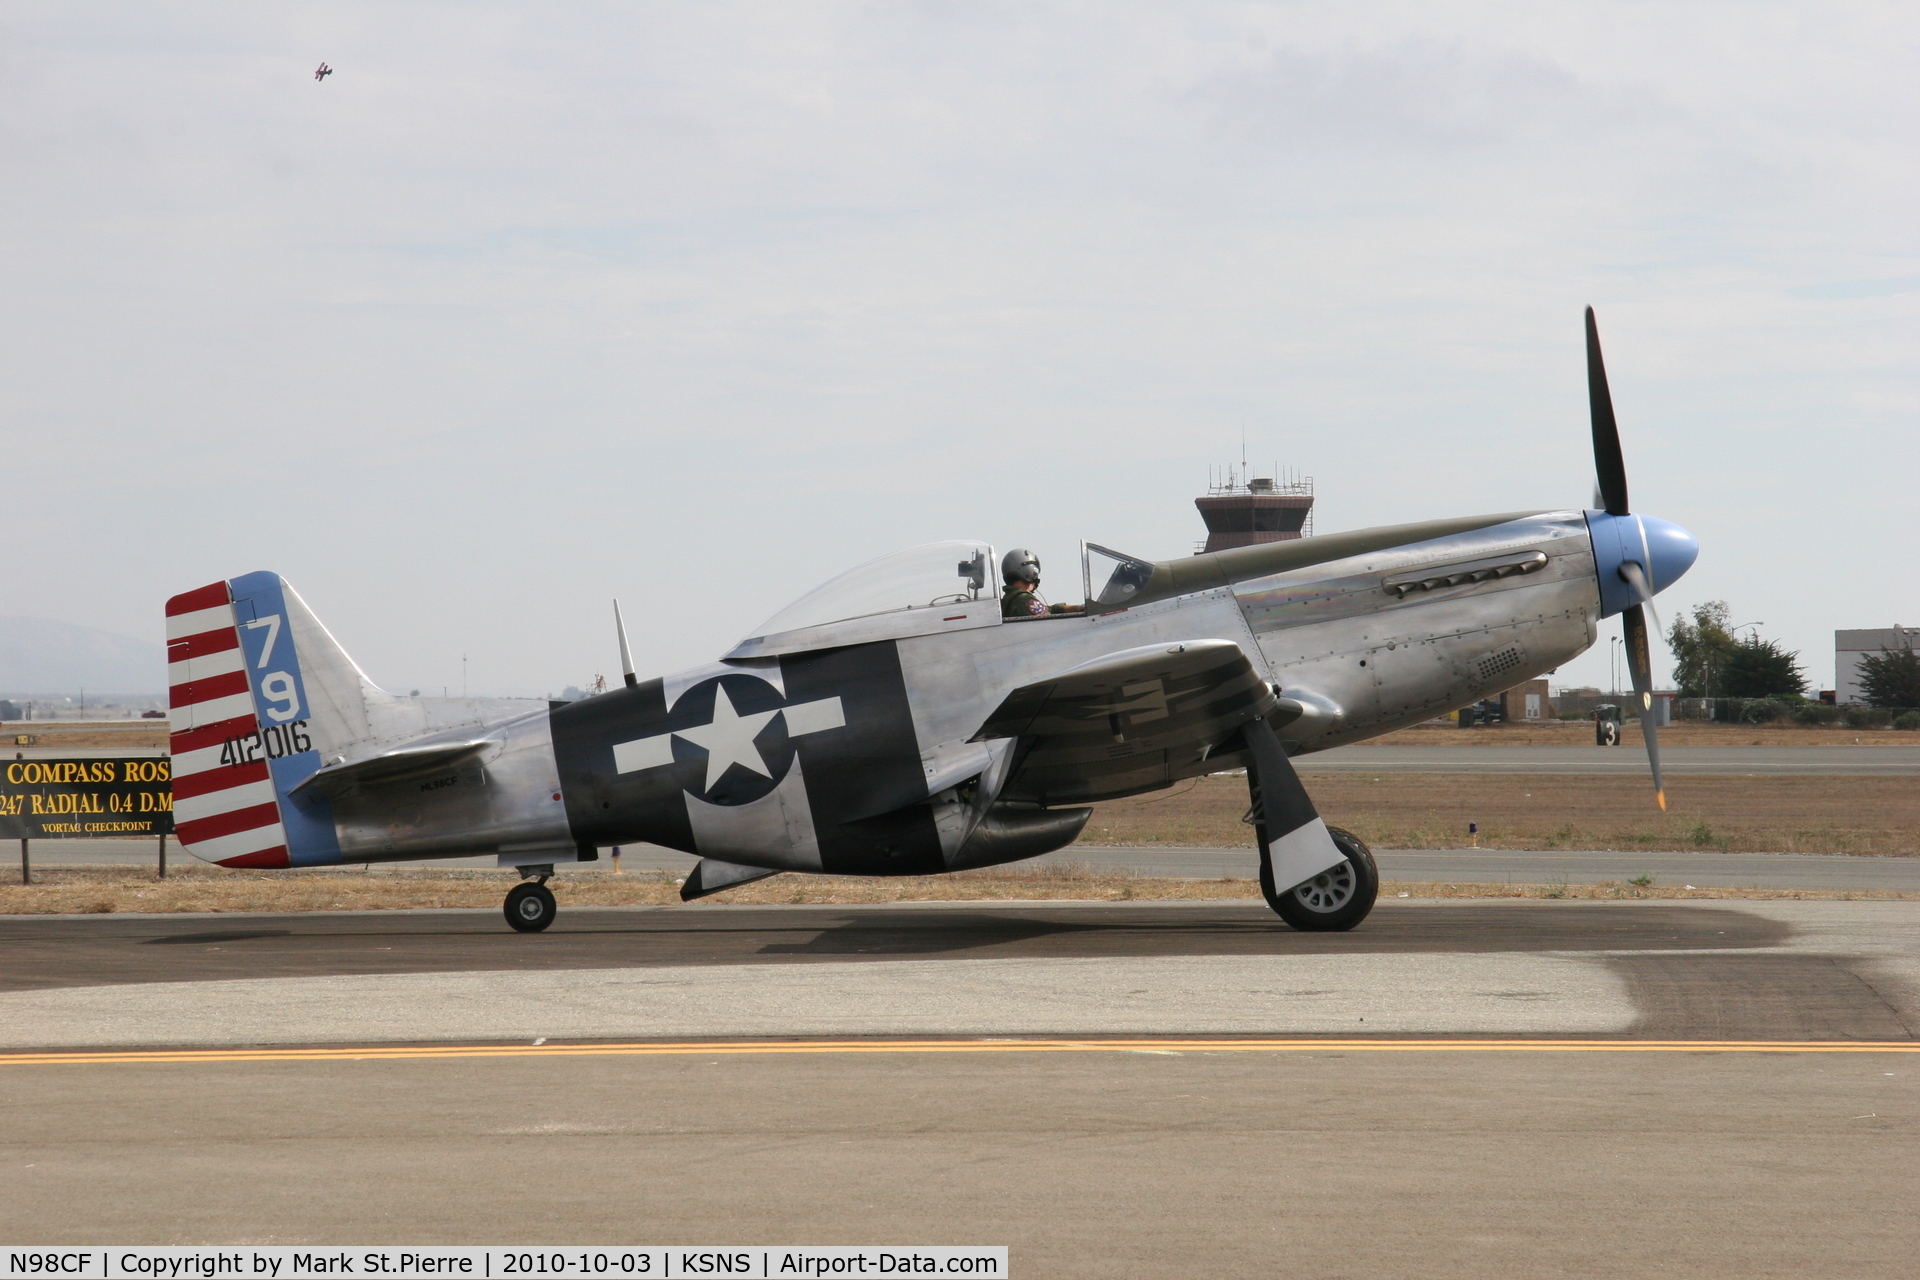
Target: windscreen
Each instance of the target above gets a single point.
(1113, 577)
(922, 577)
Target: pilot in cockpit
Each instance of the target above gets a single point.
(1021, 570)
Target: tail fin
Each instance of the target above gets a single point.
(260, 693)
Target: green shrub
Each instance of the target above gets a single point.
(1907, 720)
(1762, 711)
(1891, 678)
(1816, 713)
(1865, 717)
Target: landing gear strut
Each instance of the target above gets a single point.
(530, 906)
(1336, 899)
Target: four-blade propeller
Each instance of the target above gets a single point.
(1610, 471)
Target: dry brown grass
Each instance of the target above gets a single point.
(90, 890)
(1683, 733)
(142, 737)
(1863, 815)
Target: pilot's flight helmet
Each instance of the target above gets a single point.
(1020, 565)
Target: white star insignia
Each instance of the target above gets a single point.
(729, 739)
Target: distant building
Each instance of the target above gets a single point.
(1580, 700)
(1245, 510)
(1851, 646)
(1529, 701)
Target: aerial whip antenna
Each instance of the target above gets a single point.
(626, 657)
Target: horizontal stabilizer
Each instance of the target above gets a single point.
(390, 766)
(711, 876)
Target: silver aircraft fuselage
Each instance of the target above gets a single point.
(902, 740)
(1358, 633)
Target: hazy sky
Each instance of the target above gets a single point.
(529, 306)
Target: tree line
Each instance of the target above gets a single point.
(1709, 661)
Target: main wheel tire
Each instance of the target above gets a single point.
(530, 907)
(1336, 899)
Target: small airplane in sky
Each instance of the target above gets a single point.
(323, 72)
(898, 720)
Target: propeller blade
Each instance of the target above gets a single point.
(1638, 581)
(1640, 664)
(1609, 468)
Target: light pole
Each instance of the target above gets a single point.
(1613, 663)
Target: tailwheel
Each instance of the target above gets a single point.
(530, 907)
(1338, 898)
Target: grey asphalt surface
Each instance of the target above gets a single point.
(1124, 1164)
(1546, 1161)
(1464, 866)
(1864, 760)
(1164, 1162)
(1647, 968)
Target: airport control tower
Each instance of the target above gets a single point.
(1243, 510)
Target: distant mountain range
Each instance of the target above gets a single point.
(40, 657)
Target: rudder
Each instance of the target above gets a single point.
(258, 692)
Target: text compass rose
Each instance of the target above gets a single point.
(732, 736)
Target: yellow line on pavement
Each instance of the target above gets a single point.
(1161, 1045)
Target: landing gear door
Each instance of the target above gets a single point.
(1111, 578)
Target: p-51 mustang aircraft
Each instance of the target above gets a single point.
(895, 722)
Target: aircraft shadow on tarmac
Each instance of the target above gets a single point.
(1092, 931)
(93, 950)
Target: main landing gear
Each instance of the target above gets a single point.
(1336, 899)
(530, 906)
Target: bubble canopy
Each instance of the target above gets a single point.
(934, 573)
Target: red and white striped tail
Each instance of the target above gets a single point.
(224, 806)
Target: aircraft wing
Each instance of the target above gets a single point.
(1128, 721)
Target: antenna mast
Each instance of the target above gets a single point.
(626, 658)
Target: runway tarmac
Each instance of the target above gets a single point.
(1767, 970)
(1146, 1089)
(1864, 760)
(1462, 866)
